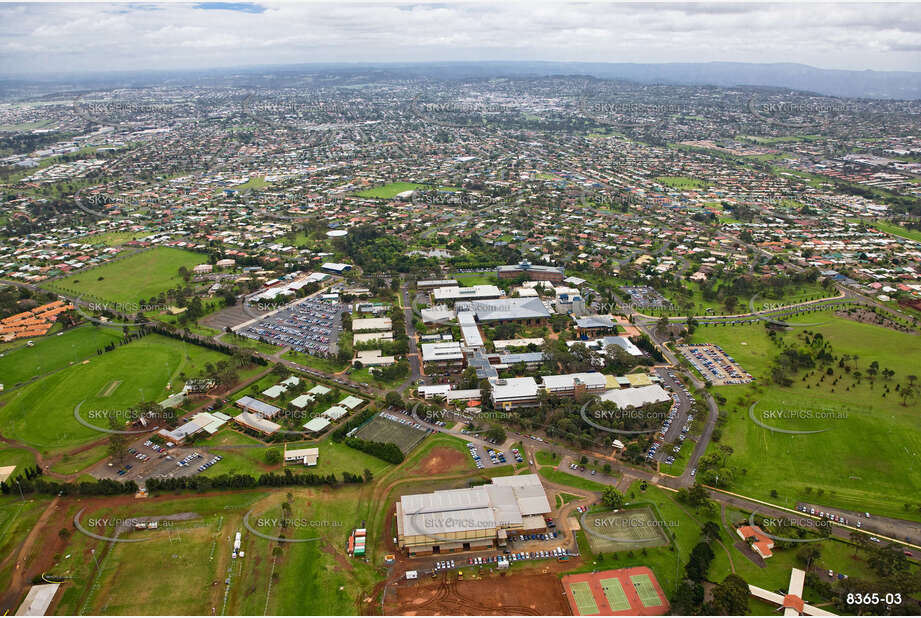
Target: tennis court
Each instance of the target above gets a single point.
(614, 531)
(615, 594)
(620, 592)
(645, 590)
(584, 599)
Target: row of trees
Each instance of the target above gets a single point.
(246, 481)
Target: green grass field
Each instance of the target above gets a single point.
(14, 456)
(191, 559)
(246, 455)
(42, 413)
(668, 561)
(391, 190)
(140, 276)
(897, 230)
(682, 183)
(564, 478)
(329, 365)
(867, 457)
(54, 352)
(471, 279)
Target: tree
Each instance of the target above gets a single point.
(393, 399)
(711, 530)
(688, 598)
(118, 442)
(699, 563)
(272, 456)
(612, 498)
(808, 554)
(730, 598)
(496, 433)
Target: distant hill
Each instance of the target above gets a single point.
(904, 85)
(832, 82)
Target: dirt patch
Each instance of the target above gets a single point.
(341, 560)
(520, 594)
(110, 388)
(439, 460)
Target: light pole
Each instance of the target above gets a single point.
(20, 490)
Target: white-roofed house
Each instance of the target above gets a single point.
(317, 424)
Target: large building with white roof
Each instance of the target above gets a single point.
(472, 518)
(508, 393)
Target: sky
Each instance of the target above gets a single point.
(77, 37)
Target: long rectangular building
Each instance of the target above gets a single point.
(535, 273)
(473, 518)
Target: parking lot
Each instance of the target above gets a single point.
(675, 428)
(645, 297)
(484, 456)
(311, 326)
(552, 551)
(146, 459)
(714, 364)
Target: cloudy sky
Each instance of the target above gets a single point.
(53, 37)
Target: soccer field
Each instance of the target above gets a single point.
(381, 429)
(141, 276)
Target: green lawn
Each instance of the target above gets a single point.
(14, 456)
(141, 276)
(391, 190)
(681, 459)
(684, 526)
(54, 352)
(245, 455)
(71, 464)
(471, 279)
(277, 578)
(867, 457)
(682, 183)
(329, 365)
(897, 230)
(42, 413)
(110, 239)
(564, 478)
(17, 518)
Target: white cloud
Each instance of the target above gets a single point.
(77, 36)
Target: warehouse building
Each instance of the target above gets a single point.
(474, 518)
